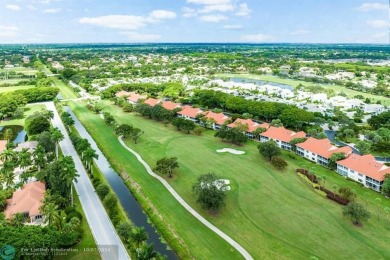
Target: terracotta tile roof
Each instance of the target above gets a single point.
(28, 199)
(220, 118)
(152, 102)
(134, 97)
(169, 105)
(366, 165)
(282, 134)
(123, 93)
(252, 126)
(323, 147)
(190, 111)
(3, 145)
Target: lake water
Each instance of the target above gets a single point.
(260, 82)
(19, 134)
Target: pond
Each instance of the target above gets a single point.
(19, 135)
(260, 82)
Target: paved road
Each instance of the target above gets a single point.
(110, 245)
(228, 239)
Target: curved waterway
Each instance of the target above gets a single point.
(127, 200)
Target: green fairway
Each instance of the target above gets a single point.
(28, 110)
(65, 90)
(272, 214)
(13, 88)
(292, 82)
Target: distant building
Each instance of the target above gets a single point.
(169, 105)
(190, 113)
(250, 125)
(218, 119)
(281, 136)
(27, 201)
(320, 150)
(364, 169)
(152, 102)
(30, 146)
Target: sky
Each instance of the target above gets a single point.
(252, 21)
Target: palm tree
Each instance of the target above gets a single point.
(334, 187)
(70, 173)
(8, 134)
(39, 157)
(49, 114)
(323, 177)
(89, 155)
(366, 197)
(24, 158)
(139, 236)
(56, 137)
(7, 155)
(8, 173)
(146, 252)
(50, 210)
(18, 220)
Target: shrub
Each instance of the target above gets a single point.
(74, 214)
(278, 162)
(102, 190)
(124, 229)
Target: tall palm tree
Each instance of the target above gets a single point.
(39, 157)
(50, 210)
(89, 155)
(70, 173)
(56, 137)
(387, 210)
(24, 157)
(49, 114)
(8, 173)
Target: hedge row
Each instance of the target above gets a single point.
(35, 94)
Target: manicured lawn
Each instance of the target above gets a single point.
(65, 90)
(292, 82)
(28, 110)
(87, 248)
(272, 214)
(26, 71)
(13, 88)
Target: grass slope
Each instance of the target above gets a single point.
(13, 88)
(292, 82)
(65, 90)
(272, 214)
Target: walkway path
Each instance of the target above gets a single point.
(233, 243)
(107, 240)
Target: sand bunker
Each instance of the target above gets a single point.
(229, 150)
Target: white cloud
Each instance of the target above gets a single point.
(128, 22)
(373, 6)
(300, 32)
(13, 7)
(8, 31)
(52, 10)
(161, 15)
(214, 18)
(217, 8)
(232, 27)
(31, 7)
(189, 12)
(378, 23)
(138, 37)
(257, 38)
(243, 10)
(209, 2)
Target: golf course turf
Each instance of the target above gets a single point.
(271, 213)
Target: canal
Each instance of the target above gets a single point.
(129, 203)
